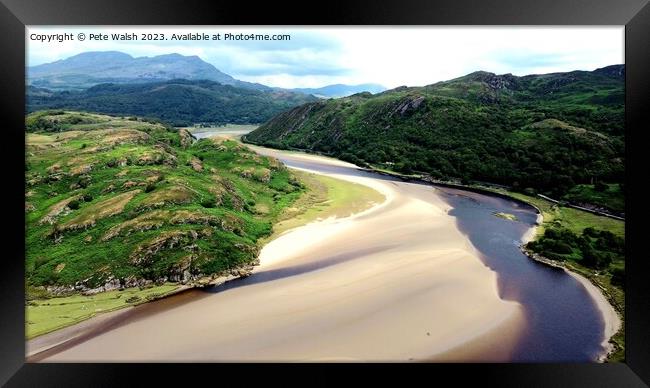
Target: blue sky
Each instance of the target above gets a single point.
(391, 56)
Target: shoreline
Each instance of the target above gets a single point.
(610, 315)
(334, 293)
(611, 318)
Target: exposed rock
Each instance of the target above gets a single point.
(53, 169)
(145, 253)
(186, 137)
(129, 184)
(263, 175)
(83, 169)
(196, 164)
(58, 209)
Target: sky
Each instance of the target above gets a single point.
(390, 56)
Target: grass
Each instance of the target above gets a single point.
(327, 197)
(573, 219)
(611, 197)
(103, 181)
(46, 315)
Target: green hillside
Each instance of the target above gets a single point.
(115, 201)
(177, 102)
(545, 133)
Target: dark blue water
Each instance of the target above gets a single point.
(563, 323)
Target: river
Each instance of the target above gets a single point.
(432, 274)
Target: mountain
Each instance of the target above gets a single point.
(91, 68)
(120, 202)
(341, 90)
(178, 102)
(545, 132)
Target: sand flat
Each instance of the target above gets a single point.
(396, 282)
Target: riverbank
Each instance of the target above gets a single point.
(608, 299)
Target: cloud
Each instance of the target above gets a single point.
(391, 56)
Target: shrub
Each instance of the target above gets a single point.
(133, 299)
(561, 247)
(618, 277)
(74, 204)
(208, 202)
(600, 187)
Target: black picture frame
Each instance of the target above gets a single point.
(16, 14)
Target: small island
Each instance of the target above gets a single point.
(506, 216)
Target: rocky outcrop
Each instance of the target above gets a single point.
(186, 137)
(196, 164)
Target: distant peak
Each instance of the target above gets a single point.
(611, 71)
(102, 55)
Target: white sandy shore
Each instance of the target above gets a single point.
(610, 316)
(396, 282)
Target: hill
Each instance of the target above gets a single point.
(545, 132)
(118, 202)
(340, 90)
(96, 67)
(178, 102)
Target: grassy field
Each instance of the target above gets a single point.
(610, 196)
(573, 219)
(46, 315)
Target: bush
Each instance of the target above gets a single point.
(74, 204)
(600, 187)
(208, 203)
(149, 187)
(530, 191)
(561, 247)
(133, 299)
(618, 277)
(87, 197)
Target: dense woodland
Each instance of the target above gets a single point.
(177, 102)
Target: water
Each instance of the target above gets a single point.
(563, 323)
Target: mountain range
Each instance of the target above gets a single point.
(96, 67)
